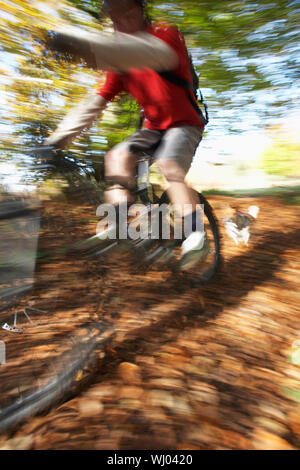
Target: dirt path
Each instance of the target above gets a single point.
(185, 368)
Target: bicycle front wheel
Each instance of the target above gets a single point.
(203, 271)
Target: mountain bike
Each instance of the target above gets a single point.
(151, 247)
(65, 376)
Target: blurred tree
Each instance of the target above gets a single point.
(40, 85)
(246, 51)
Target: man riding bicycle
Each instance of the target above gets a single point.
(173, 128)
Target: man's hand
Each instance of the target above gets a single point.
(77, 47)
(44, 152)
(47, 154)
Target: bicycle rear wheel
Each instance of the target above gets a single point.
(49, 336)
(203, 271)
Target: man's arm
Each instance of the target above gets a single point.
(119, 52)
(79, 118)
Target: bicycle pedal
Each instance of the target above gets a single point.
(14, 329)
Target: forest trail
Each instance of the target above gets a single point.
(184, 368)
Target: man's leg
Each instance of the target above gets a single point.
(184, 198)
(178, 191)
(120, 172)
(174, 157)
(120, 164)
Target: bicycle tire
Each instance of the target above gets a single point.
(32, 391)
(33, 386)
(62, 385)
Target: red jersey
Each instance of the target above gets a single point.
(165, 104)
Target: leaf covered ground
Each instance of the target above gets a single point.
(212, 367)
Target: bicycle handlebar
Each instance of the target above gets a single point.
(53, 158)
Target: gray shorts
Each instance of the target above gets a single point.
(177, 143)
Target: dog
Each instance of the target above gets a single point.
(237, 227)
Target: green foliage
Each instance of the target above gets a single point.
(282, 157)
(292, 394)
(92, 7)
(123, 120)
